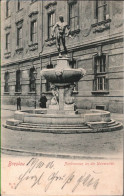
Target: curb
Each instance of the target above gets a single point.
(53, 155)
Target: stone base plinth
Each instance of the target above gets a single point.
(54, 109)
(66, 107)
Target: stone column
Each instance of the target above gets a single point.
(61, 98)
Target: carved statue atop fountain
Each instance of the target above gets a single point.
(60, 34)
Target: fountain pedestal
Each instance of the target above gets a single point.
(62, 76)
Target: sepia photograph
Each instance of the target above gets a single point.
(62, 97)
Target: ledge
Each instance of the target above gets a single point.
(101, 26)
(19, 10)
(7, 27)
(77, 31)
(33, 46)
(19, 50)
(101, 22)
(50, 41)
(7, 55)
(33, 13)
(18, 93)
(32, 92)
(100, 92)
(7, 17)
(50, 4)
(6, 93)
(100, 74)
(75, 92)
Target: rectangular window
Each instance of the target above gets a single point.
(100, 64)
(51, 23)
(18, 81)
(8, 41)
(6, 86)
(101, 6)
(19, 37)
(73, 16)
(33, 31)
(100, 82)
(32, 80)
(7, 8)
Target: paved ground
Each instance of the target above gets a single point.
(86, 144)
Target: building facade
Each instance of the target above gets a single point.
(96, 45)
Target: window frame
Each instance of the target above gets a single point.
(8, 9)
(19, 5)
(98, 75)
(19, 36)
(50, 26)
(32, 80)
(98, 5)
(7, 46)
(6, 84)
(70, 4)
(18, 81)
(32, 38)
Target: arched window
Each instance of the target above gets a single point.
(32, 80)
(6, 78)
(18, 81)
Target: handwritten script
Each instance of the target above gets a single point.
(36, 172)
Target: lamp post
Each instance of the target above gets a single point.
(35, 76)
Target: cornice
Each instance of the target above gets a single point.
(85, 45)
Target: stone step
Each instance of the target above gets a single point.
(13, 122)
(102, 124)
(117, 126)
(48, 130)
(55, 125)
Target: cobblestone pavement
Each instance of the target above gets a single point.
(108, 144)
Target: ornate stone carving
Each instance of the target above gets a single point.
(48, 4)
(101, 26)
(51, 41)
(7, 55)
(19, 50)
(69, 99)
(33, 47)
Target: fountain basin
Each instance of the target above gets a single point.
(62, 73)
(62, 76)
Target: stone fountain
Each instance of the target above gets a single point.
(61, 115)
(61, 78)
